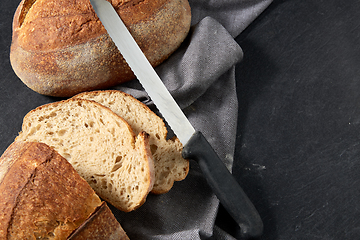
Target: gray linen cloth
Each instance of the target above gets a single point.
(200, 75)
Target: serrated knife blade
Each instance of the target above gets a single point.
(143, 70)
(196, 146)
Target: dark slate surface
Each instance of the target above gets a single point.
(298, 141)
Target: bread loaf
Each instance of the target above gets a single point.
(168, 162)
(60, 48)
(43, 197)
(100, 146)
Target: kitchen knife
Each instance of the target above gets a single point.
(196, 147)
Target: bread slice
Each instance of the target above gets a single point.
(100, 145)
(43, 197)
(168, 162)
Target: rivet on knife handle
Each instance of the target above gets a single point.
(226, 188)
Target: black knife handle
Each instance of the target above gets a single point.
(224, 185)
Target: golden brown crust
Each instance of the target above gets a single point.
(41, 195)
(99, 226)
(60, 48)
(9, 157)
(151, 174)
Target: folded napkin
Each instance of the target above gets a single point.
(200, 75)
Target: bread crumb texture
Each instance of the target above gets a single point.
(169, 164)
(100, 145)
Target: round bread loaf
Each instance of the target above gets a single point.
(60, 47)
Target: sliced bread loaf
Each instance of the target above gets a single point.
(99, 144)
(168, 162)
(43, 197)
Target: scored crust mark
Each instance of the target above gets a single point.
(24, 10)
(102, 216)
(48, 25)
(42, 196)
(60, 49)
(120, 3)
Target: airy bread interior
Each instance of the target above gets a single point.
(168, 162)
(100, 145)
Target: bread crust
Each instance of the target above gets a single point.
(101, 225)
(41, 195)
(60, 48)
